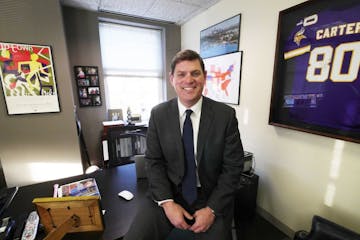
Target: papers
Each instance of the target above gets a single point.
(85, 187)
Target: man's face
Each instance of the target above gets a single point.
(188, 81)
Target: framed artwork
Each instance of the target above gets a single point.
(28, 78)
(87, 79)
(223, 78)
(316, 83)
(221, 38)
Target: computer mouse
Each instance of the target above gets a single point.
(125, 194)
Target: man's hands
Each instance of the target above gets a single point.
(176, 214)
(204, 218)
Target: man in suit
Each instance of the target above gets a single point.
(216, 150)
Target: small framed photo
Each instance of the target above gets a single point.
(83, 92)
(96, 100)
(94, 80)
(87, 80)
(91, 71)
(80, 72)
(221, 38)
(93, 90)
(83, 82)
(85, 102)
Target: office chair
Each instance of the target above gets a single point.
(124, 145)
(84, 152)
(140, 166)
(324, 229)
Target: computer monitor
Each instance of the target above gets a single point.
(6, 194)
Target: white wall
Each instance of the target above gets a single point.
(39, 147)
(297, 170)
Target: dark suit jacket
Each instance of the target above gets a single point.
(219, 153)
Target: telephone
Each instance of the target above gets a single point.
(7, 228)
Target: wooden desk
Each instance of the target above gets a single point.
(111, 124)
(122, 126)
(119, 212)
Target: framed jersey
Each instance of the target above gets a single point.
(316, 85)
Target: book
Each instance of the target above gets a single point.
(85, 187)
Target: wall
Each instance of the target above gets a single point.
(83, 41)
(38, 147)
(297, 170)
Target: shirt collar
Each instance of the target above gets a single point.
(196, 108)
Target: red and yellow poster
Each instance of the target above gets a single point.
(28, 79)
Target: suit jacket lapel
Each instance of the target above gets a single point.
(205, 124)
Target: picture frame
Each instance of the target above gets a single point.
(87, 80)
(221, 38)
(28, 78)
(83, 211)
(316, 82)
(223, 78)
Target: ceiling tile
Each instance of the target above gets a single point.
(171, 11)
(129, 7)
(200, 3)
(177, 11)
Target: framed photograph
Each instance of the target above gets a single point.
(223, 78)
(94, 80)
(221, 38)
(115, 114)
(93, 90)
(87, 80)
(316, 85)
(83, 82)
(85, 102)
(28, 78)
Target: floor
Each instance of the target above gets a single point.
(258, 229)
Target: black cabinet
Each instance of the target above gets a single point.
(245, 199)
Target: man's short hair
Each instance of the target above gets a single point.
(186, 55)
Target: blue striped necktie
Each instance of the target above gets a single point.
(189, 190)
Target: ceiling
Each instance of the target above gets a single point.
(172, 11)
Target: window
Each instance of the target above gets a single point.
(133, 67)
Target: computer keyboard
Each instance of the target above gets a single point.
(6, 197)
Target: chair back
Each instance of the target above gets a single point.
(124, 145)
(140, 166)
(323, 229)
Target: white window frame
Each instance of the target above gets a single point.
(163, 85)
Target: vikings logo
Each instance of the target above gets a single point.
(299, 36)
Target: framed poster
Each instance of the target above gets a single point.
(316, 83)
(221, 38)
(28, 78)
(87, 80)
(223, 78)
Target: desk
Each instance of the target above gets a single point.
(121, 125)
(119, 212)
